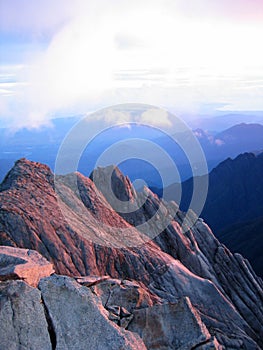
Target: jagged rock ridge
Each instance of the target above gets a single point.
(75, 229)
(234, 202)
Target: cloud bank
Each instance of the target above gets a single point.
(89, 55)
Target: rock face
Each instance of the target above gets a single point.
(24, 264)
(60, 315)
(79, 319)
(236, 189)
(23, 323)
(167, 326)
(130, 295)
(77, 230)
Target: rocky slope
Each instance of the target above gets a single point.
(67, 314)
(184, 270)
(234, 201)
(60, 314)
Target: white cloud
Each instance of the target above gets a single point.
(117, 117)
(235, 10)
(108, 53)
(158, 117)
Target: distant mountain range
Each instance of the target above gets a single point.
(246, 238)
(234, 204)
(224, 121)
(231, 142)
(43, 146)
(235, 191)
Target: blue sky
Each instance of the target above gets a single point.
(65, 57)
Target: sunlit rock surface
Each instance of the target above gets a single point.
(71, 223)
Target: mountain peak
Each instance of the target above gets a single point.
(121, 185)
(81, 237)
(242, 130)
(24, 168)
(242, 159)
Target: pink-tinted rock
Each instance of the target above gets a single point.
(73, 229)
(23, 264)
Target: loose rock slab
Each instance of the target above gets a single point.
(24, 264)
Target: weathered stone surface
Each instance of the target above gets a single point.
(126, 294)
(80, 321)
(220, 285)
(24, 264)
(211, 344)
(110, 179)
(125, 320)
(170, 326)
(23, 324)
(89, 281)
(217, 312)
(201, 253)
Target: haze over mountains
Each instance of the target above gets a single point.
(183, 271)
(106, 107)
(234, 180)
(43, 145)
(225, 121)
(160, 278)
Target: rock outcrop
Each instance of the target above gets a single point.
(23, 264)
(61, 314)
(167, 327)
(201, 253)
(23, 324)
(72, 224)
(233, 205)
(79, 319)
